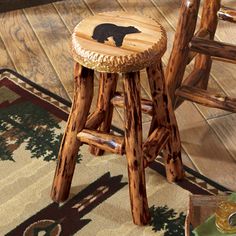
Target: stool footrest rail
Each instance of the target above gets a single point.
(107, 142)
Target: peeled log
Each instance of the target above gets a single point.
(154, 144)
(107, 142)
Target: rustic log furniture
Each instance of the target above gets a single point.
(113, 43)
(201, 45)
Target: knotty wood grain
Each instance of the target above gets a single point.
(172, 14)
(133, 148)
(164, 116)
(144, 94)
(208, 22)
(103, 141)
(166, 11)
(179, 55)
(213, 48)
(147, 8)
(103, 5)
(83, 79)
(107, 88)
(27, 53)
(206, 98)
(154, 144)
(146, 105)
(227, 14)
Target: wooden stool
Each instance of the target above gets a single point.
(113, 43)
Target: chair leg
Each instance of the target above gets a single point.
(107, 88)
(133, 147)
(70, 145)
(179, 55)
(164, 117)
(209, 22)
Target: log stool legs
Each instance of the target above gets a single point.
(163, 124)
(68, 152)
(107, 88)
(164, 117)
(92, 48)
(133, 147)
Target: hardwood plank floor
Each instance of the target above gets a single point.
(226, 32)
(6, 61)
(54, 37)
(26, 52)
(36, 42)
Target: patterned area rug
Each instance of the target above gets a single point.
(32, 121)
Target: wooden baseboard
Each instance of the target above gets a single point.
(9, 5)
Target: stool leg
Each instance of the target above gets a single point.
(133, 147)
(107, 88)
(179, 55)
(164, 116)
(70, 145)
(209, 22)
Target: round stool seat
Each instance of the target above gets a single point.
(118, 42)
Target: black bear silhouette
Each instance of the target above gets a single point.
(102, 32)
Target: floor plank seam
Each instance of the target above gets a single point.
(7, 51)
(219, 116)
(123, 8)
(163, 15)
(222, 141)
(88, 6)
(62, 19)
(49, 59)
(189, 156)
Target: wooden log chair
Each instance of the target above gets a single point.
(112, 44)
(200, 45)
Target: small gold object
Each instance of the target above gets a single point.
(225, 217)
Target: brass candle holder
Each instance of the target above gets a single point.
(226, 217)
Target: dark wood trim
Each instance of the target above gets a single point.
(9, 5)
